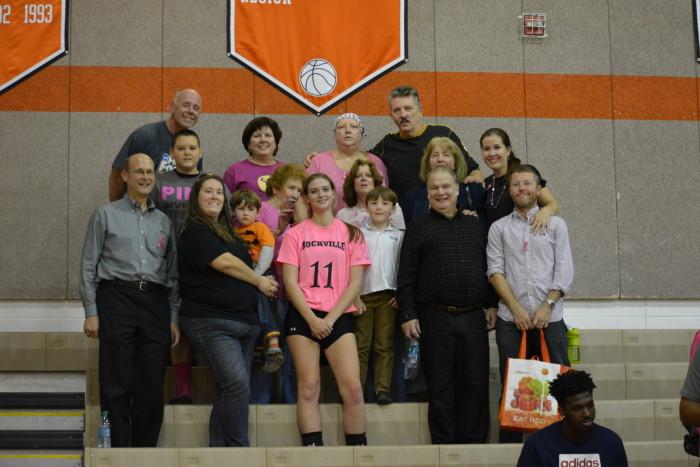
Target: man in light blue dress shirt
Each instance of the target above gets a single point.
(531, 274)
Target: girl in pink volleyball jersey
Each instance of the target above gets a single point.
(323, 260)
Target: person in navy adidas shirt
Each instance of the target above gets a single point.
(575, 441)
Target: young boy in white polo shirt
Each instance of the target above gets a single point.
(377, 303)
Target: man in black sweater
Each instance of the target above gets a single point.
(441, 292)
(401, 152)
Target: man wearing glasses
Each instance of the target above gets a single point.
(128, 286)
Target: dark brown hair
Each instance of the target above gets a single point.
(526, 168)
(513, 160)
(258, 123)
(387, 194)
(222, 226)
(349, 193)
(183, 133)
(249, 198)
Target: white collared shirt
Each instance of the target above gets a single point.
(383, 247)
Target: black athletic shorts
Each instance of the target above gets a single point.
(295, 324)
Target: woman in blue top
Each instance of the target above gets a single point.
(443, 152)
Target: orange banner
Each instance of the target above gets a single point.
(318, 52)
(33, 34)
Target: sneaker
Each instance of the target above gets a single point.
(180, 400)
(273, 360)
(383, 398)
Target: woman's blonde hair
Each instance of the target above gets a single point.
(451, 147)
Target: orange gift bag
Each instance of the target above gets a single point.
(526, 404)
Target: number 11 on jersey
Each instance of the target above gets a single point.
(329, 275)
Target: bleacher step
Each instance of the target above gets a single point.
(71, 420)
(42, 381)
(42, 420)
(41, 458)
(640, 454)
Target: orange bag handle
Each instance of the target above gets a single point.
(543, 347)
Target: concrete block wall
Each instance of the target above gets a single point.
(606, 107)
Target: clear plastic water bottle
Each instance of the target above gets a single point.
(412, 359)
(104, 432)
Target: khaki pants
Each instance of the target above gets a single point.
(378, 323)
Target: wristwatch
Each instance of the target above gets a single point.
(550, 302)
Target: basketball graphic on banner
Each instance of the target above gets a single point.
(313, 50)
(318, 77)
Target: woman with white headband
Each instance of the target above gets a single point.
(337, 162)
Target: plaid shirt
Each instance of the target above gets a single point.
(123, 242)
(442, 263)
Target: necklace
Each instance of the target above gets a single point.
(494, 204)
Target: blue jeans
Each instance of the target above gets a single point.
(228, 346)
(262, 385)
(268, 321)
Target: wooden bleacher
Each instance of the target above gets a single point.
(638, 374)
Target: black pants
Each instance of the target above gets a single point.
(134, 348)
(455, 357)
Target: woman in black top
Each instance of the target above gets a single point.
(500, 158)
(219, 305)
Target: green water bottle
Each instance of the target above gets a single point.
(573, 339)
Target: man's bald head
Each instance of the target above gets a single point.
(139, 176)
(185, 109)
